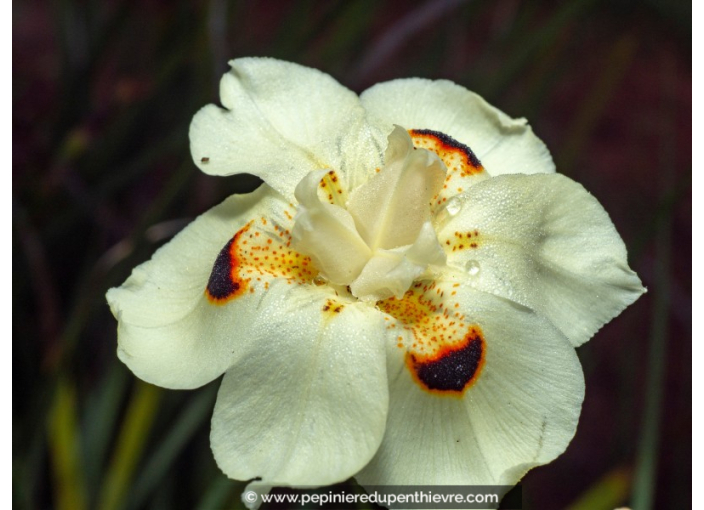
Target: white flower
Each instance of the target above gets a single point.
(390, 304)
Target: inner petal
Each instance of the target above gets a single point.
(391, 207)
(382, 239)
(327, 233)
(391, 272)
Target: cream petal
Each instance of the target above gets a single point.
(426, 249)
(281, 121)
(327, 233)
(521, 411)
(502, 144)
(387, 274)
(170, 333)
(308, 406)
(391, 272)
(390, 209)
(543, 241)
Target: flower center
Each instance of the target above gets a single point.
(382, 238)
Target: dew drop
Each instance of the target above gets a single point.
(472, 267)
(453, 206)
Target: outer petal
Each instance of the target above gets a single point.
(308, 407)
(169, 332)
(502, 144)
(283, 121)
(521, 411)
(545, 242)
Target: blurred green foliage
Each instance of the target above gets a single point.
(103, 93)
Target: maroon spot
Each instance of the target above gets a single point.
(451, 142)
(451, 370)
(220, 284)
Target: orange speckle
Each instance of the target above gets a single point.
(332, 307)
(258, 251)
(457, 241)
(463, 167)
(439, 340)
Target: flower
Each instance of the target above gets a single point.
(399, 301)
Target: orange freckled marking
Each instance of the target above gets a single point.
(332, 307)
(330, 182)
(457, 156)
(460, 240)
(257, 252)
(440, 356)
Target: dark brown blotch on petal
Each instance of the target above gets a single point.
(443, 144)
(451, 369)
(225, 282)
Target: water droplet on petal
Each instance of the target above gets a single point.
(453, 206)
(472, 267)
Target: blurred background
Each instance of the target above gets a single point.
(103, 93)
